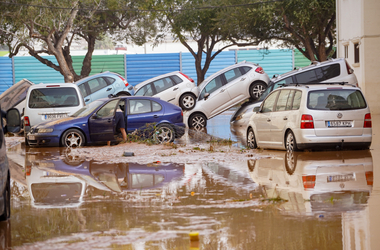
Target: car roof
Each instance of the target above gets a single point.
(313, 86)
(141, 84)
(314, 64)
(129, 97)
(47, 85)
(96, 75)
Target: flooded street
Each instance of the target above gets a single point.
(304, 200)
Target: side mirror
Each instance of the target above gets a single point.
(13, 119)
(94, 116)
(256, 109)
(206, 96)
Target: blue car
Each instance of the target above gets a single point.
(101, 85)
(96, 122)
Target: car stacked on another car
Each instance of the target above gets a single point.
(95, 122)
(316, 116)
(333, 70)
(102, 85)
(174, 87)
(225, 89)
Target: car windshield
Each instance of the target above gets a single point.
(336, 99)
(88, 109)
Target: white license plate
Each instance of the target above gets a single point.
(341, 178)
(31, 137)
(339, 123)
(54, 116)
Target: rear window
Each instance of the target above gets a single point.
(53, 97)
(336, 99)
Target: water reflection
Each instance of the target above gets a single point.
(315, 182)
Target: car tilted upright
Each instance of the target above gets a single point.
(96, 122)
(317, 116)
(102, 85)
(225, 89)
(174, 87)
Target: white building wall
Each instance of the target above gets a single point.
(358, 21)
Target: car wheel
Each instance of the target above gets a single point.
(164, 133)
(73, 138)
(251, 140)
(198, 122)
(291, 144)
(256, 90)
(251, 165)
(290, 162)
(122, 94)
(187, 101)
(7, 202)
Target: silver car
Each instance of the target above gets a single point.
(225, 89)
(317, 116)
(174, 87)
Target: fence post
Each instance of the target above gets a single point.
(13, 71)
(294, 64)
(125, 67)
(180, 61)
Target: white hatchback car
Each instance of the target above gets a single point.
(225, 89)
(310, 117)
(174, 87)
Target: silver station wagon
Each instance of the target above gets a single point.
(317, 116)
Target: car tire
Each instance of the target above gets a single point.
(251, 139)
(7, 202)
(164, 133)
(290, 142)
(197, 122)
(187, 101)
(290, 162)
(256, 90)
(73, 138)
(122, 94)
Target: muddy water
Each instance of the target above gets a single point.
(308, 200)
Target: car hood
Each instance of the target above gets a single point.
(15, 94)
(63, 121)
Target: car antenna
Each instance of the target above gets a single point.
(103, 67)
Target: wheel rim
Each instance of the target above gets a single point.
(164, 134)
(73, 139)
(257, 90)
(188, 101)
(251, 139)
(290, 161)
(290, 142)
(198, 122)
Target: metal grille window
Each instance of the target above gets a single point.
(356, 52)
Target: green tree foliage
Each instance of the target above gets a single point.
(57, 24)
(308, 25)
(197, 20)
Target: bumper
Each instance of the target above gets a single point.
(37, 140)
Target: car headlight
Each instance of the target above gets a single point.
(45, 130)
(239, 117)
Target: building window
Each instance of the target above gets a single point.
(345, 51)
(356, 52)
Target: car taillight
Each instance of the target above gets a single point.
(307, 122)
(369, 178)
(28, 170)
(124, 81)
(26, 121)
(349, 69)
(181, 113)
(367, 121)
(308, 181)
(188, 78)
(259, 70)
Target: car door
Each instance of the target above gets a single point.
(166, 89)
(218, 98)
(262, 119)
(236, 84)
(142, 112)
(99, 88)
(101, 123)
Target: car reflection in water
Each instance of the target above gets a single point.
(313, 182)
(116, 177)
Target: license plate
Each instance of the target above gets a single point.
(341, 178)
(31, 137)
(339, 123)
(54, 116)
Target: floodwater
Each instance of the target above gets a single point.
(305, 200)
